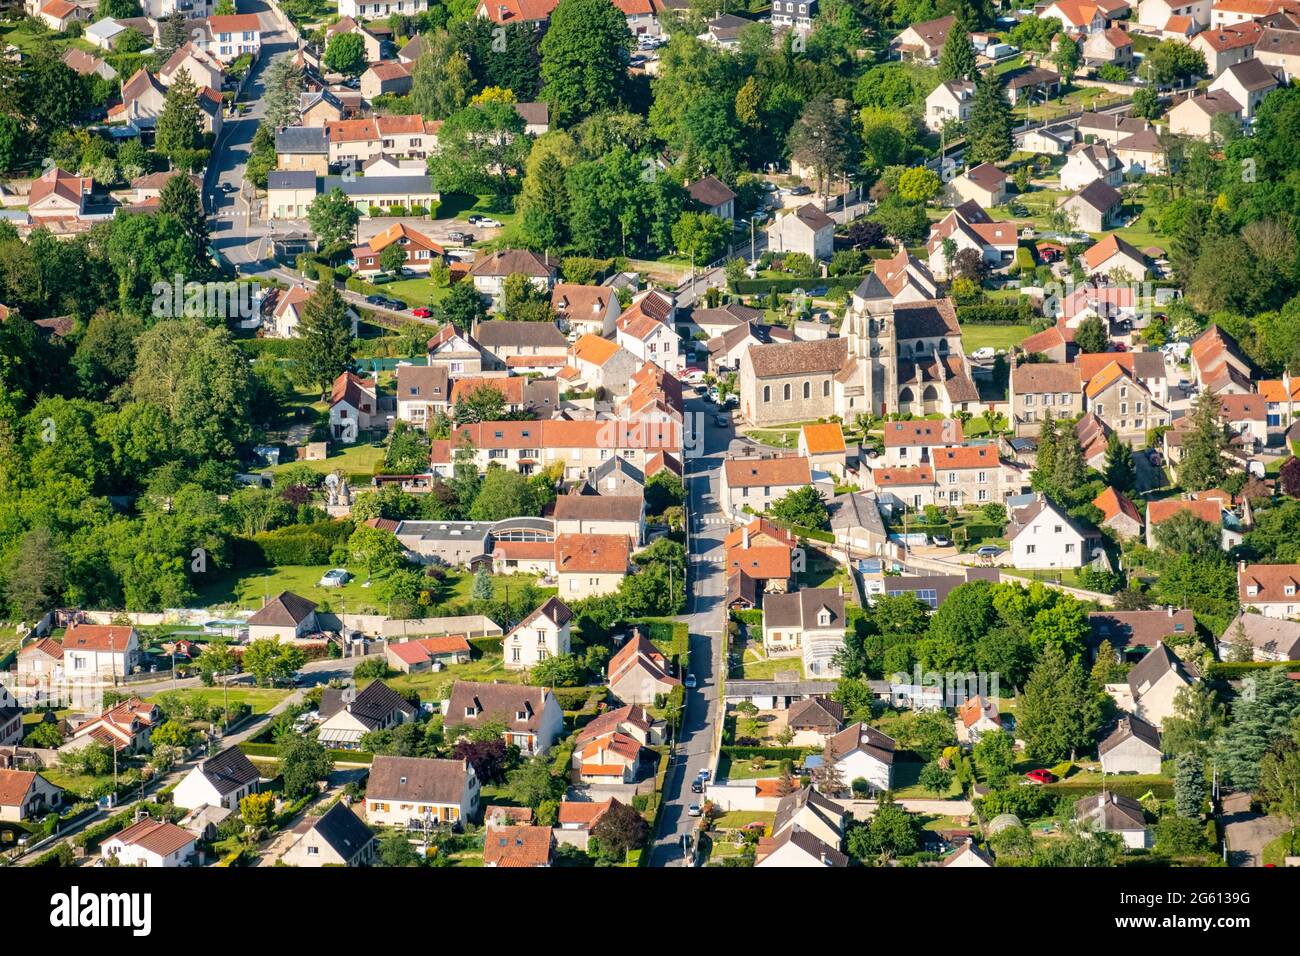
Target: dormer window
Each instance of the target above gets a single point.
(521, 715)
(1289, 590)
(402, 781)
(1252, 589)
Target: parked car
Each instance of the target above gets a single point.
(722, 421)
(693, 810)
(984, 353)
(704, 774)
(334, 578)
(940, 540)
(457, 236)
(376, 300)
(697, 785)
(692, 375)
(421, 313)
(989, 551)
(1041, 776)
(397, 305)
(689, 681)
(801, 190)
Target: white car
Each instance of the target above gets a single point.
(334, 578)
(690, 681)
(984, 353)
(693, 810)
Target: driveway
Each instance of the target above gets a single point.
(1148, 474)
(1247, 832)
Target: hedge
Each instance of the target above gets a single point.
(577, 698)
(996, 313)
(486, 645)
(1227, 670)
(273, 751)
(770, 753)
(767, 286)
(749, 617)
(61, 855)
(91, 837)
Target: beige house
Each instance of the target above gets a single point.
(807, 230)
(968, 474)
(1248, 83)
(590, 564)
(303, 148)
(1038, 388)
(1195, 115)
(26, 795)
(409, 790)
(586, 309)
(542, 634)
(809, 624)
(790, 382)
(1093, 208)
(949, 102)
(1116, 397)
(531, 716)
(285, 617)
(338, 837)
(985, 184)
(757, 482)
(924, 41)
(638, 672)
(1152, 685)
(1271, 589)
(1280, 49)
(100, 650)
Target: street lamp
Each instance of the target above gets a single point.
(751, 237)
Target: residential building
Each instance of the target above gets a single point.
(1038, 388)
(1132, 747)
(1124, 403)
(1269, 638)
(713, 196)
(796, 15)
(509, 12)
(1112, 45)
(542, 634)
(386, 78)
(757, 482)
(1153, 683)
(126, 727)
(586, 309)
(231, 36)
(420, 655)
(1119, 513)
(531, 716)
(970, 227)
(856, 523)
(1112, 256)
(422, 392)
(1195, 115)
(150, 843)
(303, 149)
(762, 552)
(408, 791)
(808, 623)
(1270, 589)
(421, 251)
(100, 650)
(1247, 82)
(1041, 536)
(1134, 633)
(1226, 45)
(353, 407)
(1109, 812)
(290, 193)
(968, 474)
(26, 795)
(517, 846)
(1093, 208)
(1279, 49)
(590, 564)
(823, 446)
(647, 331)
(377, 707)
(338, 837)
(221, 780)
(807, 830)
(1089, 162)
(976, 716)
(949, 102)
(806, 230)
(638, 672)
(1156, 13)
(984, 184)
(1077, 17)
(863, 752)
(924, 41)
(490, 272)
(909, 488)
(285, 617)
(814, 720)
(601, 514)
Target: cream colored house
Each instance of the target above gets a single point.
(542, 634)
(409, 790)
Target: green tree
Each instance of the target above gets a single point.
(919, 185)
(803, 507)
(173, 733)
(270, 661)
(282, 85)
(1066, 57)
(441, 82)
(345, 53)
(333, 217)
(482, 149)
(701, 236)
(325, 345)
(482, 589)
(1262, 716)
(1059, 713)
(1202, 464)
(504, 493)
(1120, 472)
(377, 549)
(1186, 533)
(620, 830)
(303, 762)
(989, 130)
(1279, 785)
(392, 258)
(1091, 335)
(995, 756)
(892, 832)
(180, 199)
(957, 60)
(34, 575)
(584, 59)
(179, 131)
(1189, 785)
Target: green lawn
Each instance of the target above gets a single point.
(777, 438)
(746, 769)
(753, 668)
(416, 292)
(260, 699)
(906, 773)
(28, 36)
(1276, 851)
(248, 590)
(359, 459)
(463, 205)
(1002, 337)
(740, 818)
(432, 685)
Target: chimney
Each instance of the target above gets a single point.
(1170, 609)
(744, 537)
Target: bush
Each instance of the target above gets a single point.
(991, 313)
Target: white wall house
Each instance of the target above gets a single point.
(541, 635)
(1043, 536)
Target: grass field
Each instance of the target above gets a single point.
(358, 459)
(740, 818)
(248, 590)
(260, 699)
(416, 292)
(979, 336)
(28, 38)
(432, 686)
(754, 668)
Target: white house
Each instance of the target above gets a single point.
(150, 843)
(26, 795)
(1157, 13)
(949, 102)
(1132, 747)
(354, 407)
(542, 634)
(376, 707)
(1111, 813)
(1043, 536)
(862, 752)
(219, 781)
(337, 837)
(1153, 683)
(1270, 589)
(1087, 163)
(1269, 639)
(100, 650)
(807, 230)
(647, 329)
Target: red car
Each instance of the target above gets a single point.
(1041, 776)
(421, 313)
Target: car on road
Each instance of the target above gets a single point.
(693, 810)
(690, 681)
(697, 785)
(722, 421)
(1041, 776)
(801, 190)
(989, 551)
(940, 540)
(334, 578)
(421, 313)
(227, 187)
(487, 222)
(376, 299)
(983, 354)
(693, 375)
(457, 236)
(704, 774)
(732, 399)
(397, 305)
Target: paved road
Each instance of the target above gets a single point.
(696, 747)
(1247, 833)
(236, 231)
